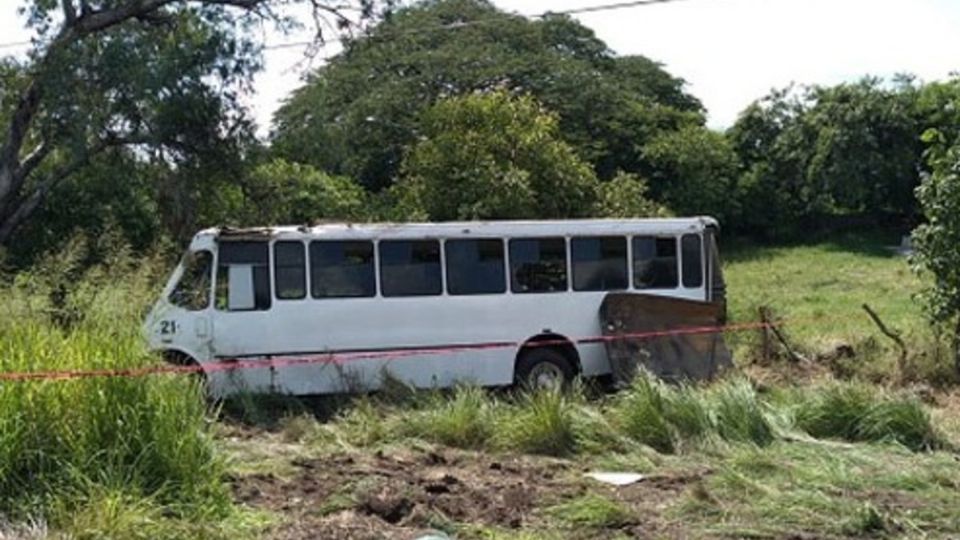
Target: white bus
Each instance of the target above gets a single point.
(331, 308)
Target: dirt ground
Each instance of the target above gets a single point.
(404, 494)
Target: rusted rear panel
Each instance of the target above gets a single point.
(692, 354)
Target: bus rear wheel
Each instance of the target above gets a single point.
(543, 368)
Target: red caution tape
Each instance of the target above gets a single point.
(340, 358)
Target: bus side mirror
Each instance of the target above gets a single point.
(240, 296)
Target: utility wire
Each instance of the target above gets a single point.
(499, 19)
(454, 26)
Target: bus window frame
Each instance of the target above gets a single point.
(681, 258)
(504, 263)
(678, 264)
(374, 261)
(626, 261)
(378, 259)
(275, 274)
(566, 261)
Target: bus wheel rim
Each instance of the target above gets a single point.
(546, 376)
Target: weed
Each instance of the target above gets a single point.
(867, 520)
(591, 510)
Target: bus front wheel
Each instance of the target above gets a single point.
(541, 368)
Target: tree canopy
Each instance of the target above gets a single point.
(161, 77)
(357, 114)
(489, 156)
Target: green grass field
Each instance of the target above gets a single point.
(853, 447)
(823, 285)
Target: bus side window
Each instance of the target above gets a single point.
(290, 274)
(410, 268)
(599, 263)
(342, 269)
(692, 259)
(538, 265)
(655, 262)
(243, 276)
(475, 266)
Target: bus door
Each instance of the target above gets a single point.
(241, 318)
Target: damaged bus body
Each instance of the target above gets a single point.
(331, 308)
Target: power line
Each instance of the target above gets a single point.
(614, 6)
(476, 22)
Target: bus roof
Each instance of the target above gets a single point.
(468, 228)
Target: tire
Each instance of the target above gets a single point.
(543, 367)
(177, 358)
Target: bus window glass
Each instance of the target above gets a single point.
(475, 266)
(599, 264)
(342, 269)
(654, 262)
(538, 265)
(192, 292)
(410, 267)
(289, 268)
(692, 259)
(249, 261)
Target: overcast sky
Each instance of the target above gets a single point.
(730, 51)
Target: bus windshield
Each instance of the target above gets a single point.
(193, 289)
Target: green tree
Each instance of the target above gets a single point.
(821, 151)
(491, 156)
(696, 171)
(936, 242)
(160, 76)
(358, 113)
(282, 192)
(626, 196)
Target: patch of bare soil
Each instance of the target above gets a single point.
(402, 495)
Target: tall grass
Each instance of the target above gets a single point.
(671, 418)
(145, 437)
(857, 412)
(466, 420)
